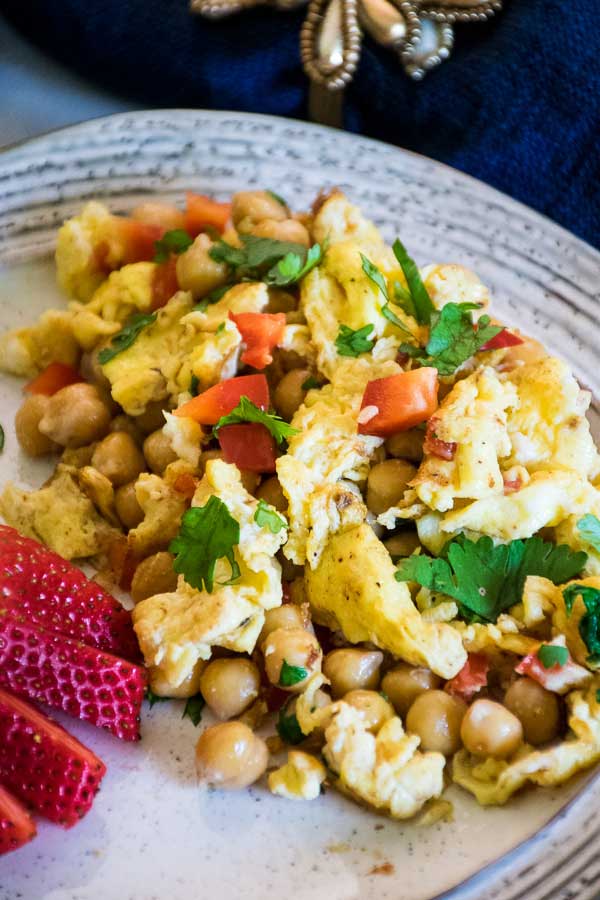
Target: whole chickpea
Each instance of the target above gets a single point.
(250, 207)
(158, 451)
(154, 575)
(436, 718)
(128, 509)
(129, 426)
(489, 729)
(351, 668)
(271, 492)
(153, 212)
(406, 445)
(75, 416)
(291, 648)
(387, 482)
(27, 421)
(404, 683)
(230, 686)
(189, 687)
(289, 393)
(537, 709)
(197, 271)
(118, 457)
(374, 709)
(282, 230)
(286, 616)
(230, 756)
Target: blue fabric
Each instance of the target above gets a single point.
(517, 105)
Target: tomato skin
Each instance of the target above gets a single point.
(436, 447)
(558, 679)
(209, 406)
(260, 332)
(56, 376)
(249, 445)
(164, 282)
(137, 239)
(402, 401)
(471, 678)
(202, 212)
(504, 338)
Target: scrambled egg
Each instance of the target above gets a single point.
(567, 624)
(163, 508)
(78, 269)
(26, 351)
(177, 629)
(300, 778)
(450, 283)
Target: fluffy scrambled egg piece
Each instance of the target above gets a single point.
(249, 296)
(300, 778)
(78, 267)
(451, 283)
(177, 629)
(493, 781)
(338, 220)
(163, 508)
(353, 588)
(26, 351)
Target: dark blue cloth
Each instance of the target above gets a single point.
(517, 105)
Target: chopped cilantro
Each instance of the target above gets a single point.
(404, 299)
(246, 411)
(420, 300)
(288, 728)
(194, 385)
(589, 529)
(352, 343)
(291, 268)
(485, 579)
(175, 241)
(153, 698)
(207, 533)
(1, 438)
(551, 655)
(193, 708)
(277, 197)
(126, 336)
(220, 328)
(266, 517)
(264, 259)
(291, 675)
(310, 383)
(372, 272)
(589, 624)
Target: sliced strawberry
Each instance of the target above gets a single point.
(16, 825)
(84, 682)
(42, 586)
(44, 765)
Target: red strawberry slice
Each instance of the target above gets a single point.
(44, 765)
(16, 825)
(84, 682)
(50, 592)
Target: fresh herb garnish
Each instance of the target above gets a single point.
(453, 338)
(598, 696)
(291, 675)
(1, 438)
(552, 655)
(372, 272)
(291, 268)
(220, 328)
(153, 698)
(288, 728)
(485, 579)
(193, 709)
(194, 385)
(420, 301)
(266, 517)
(126, 337)
(352, 343)
(279, 263)
(310, 383)
(213, 297)
(589, 529)
(175, 241)
(589, 624)
(277, 197)
(246, 411)
(207, 533)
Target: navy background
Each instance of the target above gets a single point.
(517, 105)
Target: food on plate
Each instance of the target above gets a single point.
(16, 825)
(337, 490)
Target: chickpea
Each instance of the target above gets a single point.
(158, 451)
(93, 372)
(402, 544)
(152, 418)
(128, 509)
(282, 230)
(153, 212)
(189, 687)
(296, 647)
(529, 351)
(27, 420)
(352, 668)
(154, 575)
(271, 492)
(436, 717)
(229, 686)
(489, 729)
(230, 756)
(118, 457)
(250, 207)
(197, 271)
(289, 393)
(374, 709)
(406, 445)
(75, 416)
(387, 482)
(129, 426)
(287, 616)
(537, 709)
(404, 683)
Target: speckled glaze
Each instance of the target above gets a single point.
(151, 833)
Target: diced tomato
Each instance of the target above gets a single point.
(559, 679)
(164, 282)
(56, 376)
(249, 445)
(203, 212)
(209, 406)
(260, 332)
(436, 447)
(471, 678)
(137, 239)
(398, 402)
(504, 338)
(185, 484)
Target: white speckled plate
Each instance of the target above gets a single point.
(151, 834)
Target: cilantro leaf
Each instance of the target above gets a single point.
(589, 529)
(277, 197)
(310, 383)
(404, 299)
(453, 338)
(175, 241)
(153, 698)
(291, 675)
(589, 624)
(264, 259)
(291, 268)
(352, 343)
(193, 709)
(126, 336)
(551, 655)
(246, 411)
(1, 438)
(266, 517)
(419, 297)
(485, 579)
(207, 533)
(194, 385)
(372, 272)
(288, 728)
